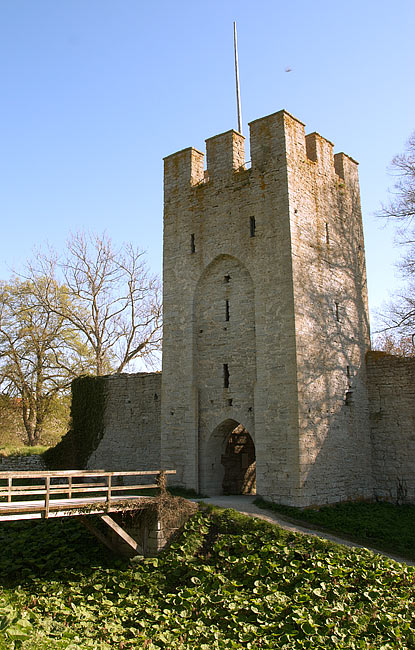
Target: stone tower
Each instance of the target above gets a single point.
(265, 315)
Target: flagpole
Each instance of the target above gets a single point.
(238, 95)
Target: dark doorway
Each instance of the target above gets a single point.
(239, 463)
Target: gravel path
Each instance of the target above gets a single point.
(245, 505)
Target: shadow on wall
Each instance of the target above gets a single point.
(332, 339)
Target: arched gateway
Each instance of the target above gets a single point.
(228, 463)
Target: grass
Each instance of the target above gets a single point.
(186, 493)
(22, 450)
(384, 526)
(228, 582)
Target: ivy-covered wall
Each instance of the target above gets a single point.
(89, 398)
(115, 424)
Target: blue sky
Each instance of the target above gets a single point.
(96, 92)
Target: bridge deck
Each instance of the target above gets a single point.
(54, 493)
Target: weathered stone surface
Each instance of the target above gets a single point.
(392, 419)
(264, 281)
(131, 439)
(32, 463)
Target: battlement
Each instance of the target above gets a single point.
(277, 140)
(183, 168)
(225, 152)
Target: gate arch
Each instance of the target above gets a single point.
(228, 464)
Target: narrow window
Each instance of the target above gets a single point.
(327, 234)
(348, 371)
(227, 310)
(252, 226)
(192, 243)
(225, 375)
(227, 278)
(337, 311)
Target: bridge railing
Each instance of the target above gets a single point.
(74, 487)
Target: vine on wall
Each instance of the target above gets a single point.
(89, 396)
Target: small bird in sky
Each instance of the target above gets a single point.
(288, 69)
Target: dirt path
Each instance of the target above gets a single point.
(245, 505)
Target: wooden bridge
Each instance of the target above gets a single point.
(69, 493)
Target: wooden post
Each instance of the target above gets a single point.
(70, 487)
(120, 532)
(9, 485)
(109, 491)
(47, 495)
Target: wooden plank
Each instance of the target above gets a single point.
(53, 473)
(71, 510)
(98, 534)
(143, 473)
(80, 473)
(19, 493)
(54, 490)
(57, 487)
(115, 488)
(122, 534)
(20, 517)
(74, 502)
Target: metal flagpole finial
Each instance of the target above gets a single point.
(238, 95)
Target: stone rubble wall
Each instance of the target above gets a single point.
(391, 382)
(32, 463)
(131, 439)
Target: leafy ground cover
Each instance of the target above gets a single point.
(384, 526)
(228, 582)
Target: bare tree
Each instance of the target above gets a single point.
(399, 315)
(39, 353)
(402, 204)
(388, 342)
(110, 298)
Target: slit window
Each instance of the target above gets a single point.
(225, 375)
(327, 234)
(337, 312)
(227, 310)
(252, 226)
(192, 244)
(226, 278)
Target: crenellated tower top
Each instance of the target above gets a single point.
(274, 139)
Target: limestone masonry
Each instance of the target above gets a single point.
(266, 333)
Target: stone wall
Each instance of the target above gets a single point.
(391, 382)
(131, 438)
(331, 318)
(265, 314)
(32, 463)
